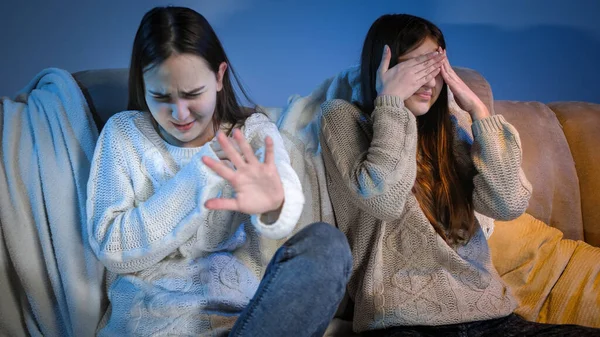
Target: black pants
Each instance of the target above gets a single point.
(511, 325)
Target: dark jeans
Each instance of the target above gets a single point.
(511, 325)
(302, 287)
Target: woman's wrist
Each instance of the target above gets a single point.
(271, 217)
(479, 112)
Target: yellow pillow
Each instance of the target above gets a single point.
(555, 280)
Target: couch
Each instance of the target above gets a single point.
(549, 255)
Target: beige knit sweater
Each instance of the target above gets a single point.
(404, 272)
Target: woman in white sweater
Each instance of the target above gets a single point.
(186, 219)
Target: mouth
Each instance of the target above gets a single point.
(426, 96)
(184, 127)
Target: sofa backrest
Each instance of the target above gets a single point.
(581, 125)
(547, 159)
(105, 89)
(548, 164)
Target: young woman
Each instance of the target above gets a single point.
(186, 219)
(406, 176)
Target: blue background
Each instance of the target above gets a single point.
(528, 50)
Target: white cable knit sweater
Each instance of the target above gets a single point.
(176, 268)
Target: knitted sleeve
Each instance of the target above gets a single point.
(378, 164)
(501, 190)
(129, 232)
(256, 128)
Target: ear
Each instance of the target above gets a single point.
(221, 75)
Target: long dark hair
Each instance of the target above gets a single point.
(165, 31)
(443, 191)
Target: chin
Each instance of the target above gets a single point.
(418, 109)
(188, 138)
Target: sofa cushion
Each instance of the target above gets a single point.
(581, 125)
(548, 165)
(553, 279)
(106, 91)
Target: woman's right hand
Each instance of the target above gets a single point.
(258, 187)
(405, 78)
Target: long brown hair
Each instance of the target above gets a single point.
(443, 191)
(165, 31)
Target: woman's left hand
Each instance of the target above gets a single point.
(258, 187)
(464, 96)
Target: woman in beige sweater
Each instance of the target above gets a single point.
(407, 168)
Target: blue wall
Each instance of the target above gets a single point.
(528, 50)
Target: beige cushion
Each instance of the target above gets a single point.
(581, 126)
(548, 165)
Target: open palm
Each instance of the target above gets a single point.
(258, 187)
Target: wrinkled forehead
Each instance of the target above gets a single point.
(179, 72)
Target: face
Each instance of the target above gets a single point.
(420, 102)
(181, 94)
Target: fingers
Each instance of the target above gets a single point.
(385, 60)
(428, 66)
(447, 68)
(221, 155)
(246, 149)
(431, 66)
(445, 75)
(270, 151)
(239, 152)
(221, 204)
(228, 163)
(433, 57)
(219, 151)
(230, 151)
(219, 168)
(429, 77)
(448, 73)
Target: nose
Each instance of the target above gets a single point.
(180, 110)
(431, 83)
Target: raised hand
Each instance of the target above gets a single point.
(258, 187)
(405, 78)
(222, 155)
(464, 96)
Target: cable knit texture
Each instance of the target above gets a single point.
(404, 272)
(176, 268)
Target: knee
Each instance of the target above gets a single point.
(328, 244)
(326, 235)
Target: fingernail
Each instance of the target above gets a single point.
(385, 49)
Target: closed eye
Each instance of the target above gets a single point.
(185, 95)
(161, 98)
(156, 94)
(191, 95)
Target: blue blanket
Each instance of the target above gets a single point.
(50, 281)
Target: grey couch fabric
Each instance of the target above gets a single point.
(105, 90)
